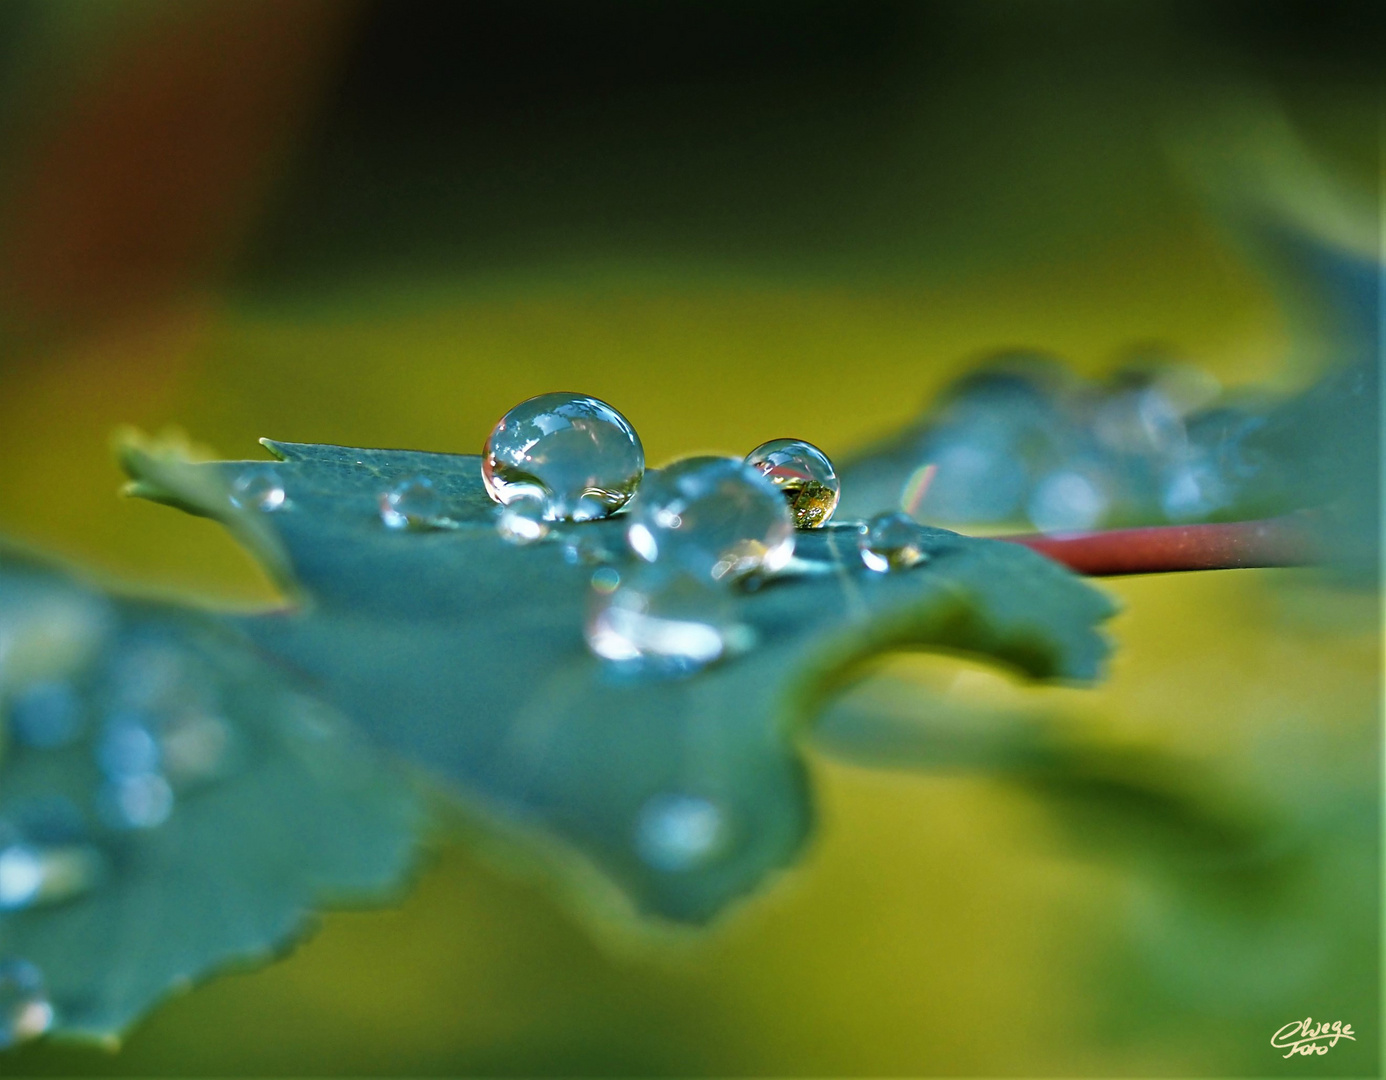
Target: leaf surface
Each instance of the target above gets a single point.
(466, 653)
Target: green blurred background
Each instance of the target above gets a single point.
(383, 224)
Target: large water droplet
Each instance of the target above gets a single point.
(25, 1011)
(891, 542)
(47, 715)
(662, 622)
(521, 521)
(804, 476)
(32, 874)
(717, 518)
(259, 488)
(412, 503)
(577, 454)
(676, 833)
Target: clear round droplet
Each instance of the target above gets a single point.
(25, 1011)
(804, 476)
(522, 520)
(676, 833)
(33, 874)
(891, 542)
(716, 518)
(412, 503)
(662, 622)
(259, 488)
(47, 715)
(577, 454)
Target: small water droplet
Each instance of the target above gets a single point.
(661, 622)
(606, 579)
(47, 715)
(521, 521)
(32, 874)
(804, 476)
(127, 746)
(576, 453)
(891, 542)
(25, 1011)
(259, 488)
(717, 518)
(142, 801)
(412, 503)
(676, 833)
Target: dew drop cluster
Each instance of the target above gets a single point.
(1023, 443)
(693, 533)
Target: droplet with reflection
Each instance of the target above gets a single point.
(803, 475)
(716, 518)
(662, 621)
(891, 542)
(576, 454)
(259, 488)
(412, 503)
(521, 521)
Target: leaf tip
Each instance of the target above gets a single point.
(279, 450)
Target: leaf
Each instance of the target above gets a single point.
(1019, 442)
(276, 808)
(466, 653)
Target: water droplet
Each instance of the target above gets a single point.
(891, 542)
(259, 488)
(521, 521)
(412, 503)
(143, 801)
(804, 476)
(586, 546)
(47, 715)
(127, 746)
(25, 1011)
(32, 874)
(717, 518)
(662, 622)
(577, 454)
(1067, 501)
(606, 579)
(676, 833)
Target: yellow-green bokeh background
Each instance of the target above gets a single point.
(1022, 187)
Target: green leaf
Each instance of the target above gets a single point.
(276, 808)
(467, 654)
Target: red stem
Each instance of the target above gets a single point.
(1165, 548)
